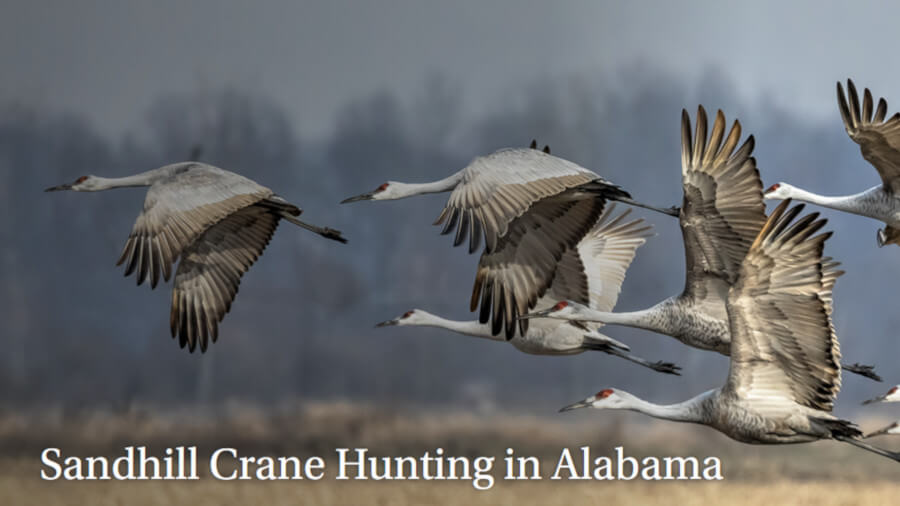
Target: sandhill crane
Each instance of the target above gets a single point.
(720, 216)
(529, 206)
(216, 221)
(893, 428)
(593, 272)
(879, 142)
(892, 395)
(784, 373)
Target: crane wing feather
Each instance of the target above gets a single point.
(784, 347)
(878, 139)
(600, 262)
(723, 207)
(177, 210)
(210, 271)
(513, 276)
(500, 187)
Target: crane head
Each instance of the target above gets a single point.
(407, 318)
(779, 191)
(376, 194)
(606, 398)
(78, 185)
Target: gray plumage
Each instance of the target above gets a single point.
(592, 272)
(529, 207)
(785, 372)
(721, 214)
(217, 222)
(879, 143)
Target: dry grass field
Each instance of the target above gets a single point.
(820, 474)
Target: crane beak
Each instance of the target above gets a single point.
(61, 187)
(579, 404)
(536, 314)
(364, 196)
(881, 239)
(386, 323)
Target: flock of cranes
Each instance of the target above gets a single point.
(555, 253)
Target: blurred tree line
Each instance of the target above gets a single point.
(74, 331)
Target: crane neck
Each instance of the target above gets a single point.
(855, 203)
(690, 411)
(470, 328)
(646, 319)
(403, 190)
(142, 179)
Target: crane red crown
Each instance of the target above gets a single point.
(560, 305)
(773, 188)
(603, 394)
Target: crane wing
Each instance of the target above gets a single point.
(177, 210)
(593, 272)
(783, 344)
(210, 271)
(512, 277)
(500, 187)
(878, 139)
(723, 208)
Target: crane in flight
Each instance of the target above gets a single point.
(527, 205)
(217, 222)
(721, 214)
(593, 272)
(785, 357)
(879, 142)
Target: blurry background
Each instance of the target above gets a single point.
(324, 100)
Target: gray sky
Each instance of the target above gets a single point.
(110, 59)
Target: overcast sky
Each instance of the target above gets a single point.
(111, 59)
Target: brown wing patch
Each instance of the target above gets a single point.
(512, 277)
(723, 209)
(878, 139)
(210, 272)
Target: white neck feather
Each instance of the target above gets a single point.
(687, 411)
(403, 190)
(469, 328)
(142, 179)
(644, 319)
(847, 203)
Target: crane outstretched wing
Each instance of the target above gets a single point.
(210, 271)
(723, 207)
(177, 210)
(593, 273)
(513, 276)
(783, 345)
(878, 139)
(498, 188)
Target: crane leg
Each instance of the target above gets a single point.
(326, 232)
(659, 366)
(863, 370)
(874, 449)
